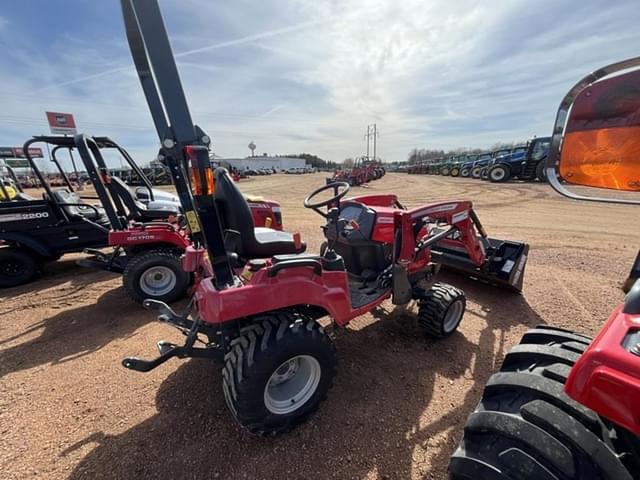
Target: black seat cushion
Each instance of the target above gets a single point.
(76, 209)
(236, 215)
(138, 211)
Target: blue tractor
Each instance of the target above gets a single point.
(477, 166)
(523, 163)
(517, 152)
(467, 165)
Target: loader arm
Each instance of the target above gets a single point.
(466, 248)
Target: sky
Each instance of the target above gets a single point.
(310, 75)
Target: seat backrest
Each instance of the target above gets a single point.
(64, 197)
(233, 207)
(122, 190)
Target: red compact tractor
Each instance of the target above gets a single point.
(566, 406)
(144, 226)
(257, 309)
(364, 170)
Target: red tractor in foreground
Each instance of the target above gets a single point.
(565, 406)
(257, 309)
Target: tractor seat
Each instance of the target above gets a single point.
(73, 206)
(138, 211)
(236, 215)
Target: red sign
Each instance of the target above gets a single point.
(61, 123)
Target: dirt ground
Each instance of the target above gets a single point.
(68, 409)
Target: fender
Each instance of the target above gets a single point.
(27, 241)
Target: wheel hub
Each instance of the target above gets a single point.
(157, 281)
(497, 174)
(453, 316)
(11, 268)
(292, 384)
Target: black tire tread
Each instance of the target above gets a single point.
(130, 277)
(432, 306)
(254, 341)
(32, 260)
(530, 389)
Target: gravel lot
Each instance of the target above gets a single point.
(69, 410)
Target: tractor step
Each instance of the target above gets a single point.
(504, 266)
(167, 351)
(170, 350)
(101, 261)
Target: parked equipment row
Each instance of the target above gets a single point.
(523, 162)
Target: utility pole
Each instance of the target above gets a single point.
(372, 131)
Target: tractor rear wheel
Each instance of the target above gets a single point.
(476, 171)
(541, 173)
(440, 310)
(156, 274)
(17, 267)
(277, 372)
(499, 173)
(526, 428)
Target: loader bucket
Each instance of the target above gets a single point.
(504, 265)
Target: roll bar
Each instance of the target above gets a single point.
(160, 81)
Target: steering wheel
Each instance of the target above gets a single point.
(340, 189)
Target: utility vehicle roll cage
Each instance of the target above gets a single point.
(184, 146)
(89, 149)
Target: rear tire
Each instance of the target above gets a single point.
(541, 173)
(499, 174)
(526, 427)
(440, 310)
(156, 274)
(277, 372)
(17, 267)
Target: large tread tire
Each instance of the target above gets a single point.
(526, 428)
(455, 172)
(541, 173)
(435, 307)
(17, 267)
(497, 178)
(259, 350)
(476, 172)
(465, 173)
(142, 262)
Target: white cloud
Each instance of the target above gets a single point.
(309, 75)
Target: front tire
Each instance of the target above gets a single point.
(440, 310)
(455, 172)
(526, 427)
(156, 274)
(476, 172)
(17, 267)
(499, 174)
(277, 372)
(465, 172)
